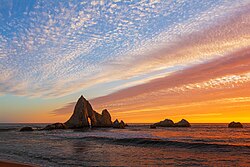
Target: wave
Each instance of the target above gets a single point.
(7, 129)
(161, 143)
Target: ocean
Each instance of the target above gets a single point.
(137, 145)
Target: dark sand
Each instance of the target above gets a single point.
(12, 164)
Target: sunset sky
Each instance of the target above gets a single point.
(142, 60)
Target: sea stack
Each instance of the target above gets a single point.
(235, 125)
(84, 111)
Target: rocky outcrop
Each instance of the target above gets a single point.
(119, 125)
(170, 123)
(116, 124)
(165, 123)
(83, 112)
(123, 124)
(103, 120)
(152, 126)
(235, 125)
(26, 129)
(182, 123)
(55, 126)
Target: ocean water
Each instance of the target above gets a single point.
(137, 145)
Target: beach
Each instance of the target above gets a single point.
(13, 164)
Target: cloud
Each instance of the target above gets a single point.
(56, 48)
(67, 109)
(226, 73)
(225, 80)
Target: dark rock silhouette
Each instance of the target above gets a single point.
(119, 125)
(26, 129)
(170, 123)
(182, 123)
(165, 123)
(84, 111)
(102, 120)
(235, 125)
(116, 124)
(123, 124)
(152, 126)
(55, 126)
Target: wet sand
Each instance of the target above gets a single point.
(12, 164)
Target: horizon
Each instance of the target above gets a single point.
(142, 61)
(46, 123)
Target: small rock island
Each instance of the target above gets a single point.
(26, 129)
(235, 125)
(170, 123)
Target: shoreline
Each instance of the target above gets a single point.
(4, 163)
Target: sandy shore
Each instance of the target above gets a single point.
(12, 164)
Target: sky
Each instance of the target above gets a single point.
(142, 60)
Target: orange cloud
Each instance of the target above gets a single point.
(199, 90)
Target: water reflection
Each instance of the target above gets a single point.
(133, 146)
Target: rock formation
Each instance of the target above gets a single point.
(165, 123)
(235, 125)
(26, 129)
(55, 126)
(84, 111)
(119, 125)
(152, 127)
(182, 123)
(85, 116)
(170, 123)
(123, 124)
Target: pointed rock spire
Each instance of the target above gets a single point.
(83, 110)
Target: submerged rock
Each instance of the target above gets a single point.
(84, 111)
(235, 125)
(26, 129)
(165, 123)
(119, 125)
(55, 126)
(183, 123)
(152, 126)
